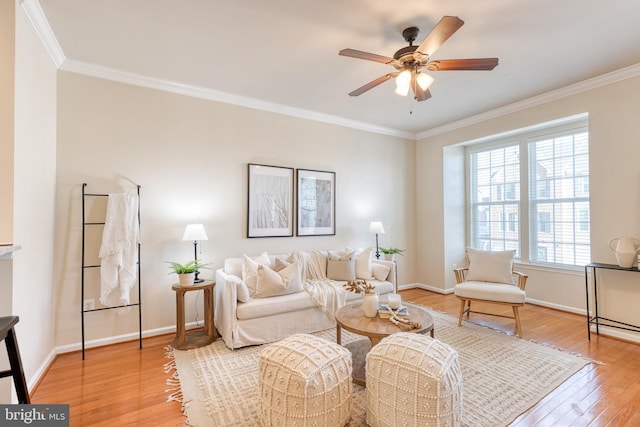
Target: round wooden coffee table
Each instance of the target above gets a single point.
(351, 318)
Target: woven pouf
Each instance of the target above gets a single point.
(413, 380)
(305, 381)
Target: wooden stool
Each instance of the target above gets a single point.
(8, 335)
(199, 338)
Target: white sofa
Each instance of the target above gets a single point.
(243, 319)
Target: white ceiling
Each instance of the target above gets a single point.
(283, 55)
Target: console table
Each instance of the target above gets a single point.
(597, 319)
(193, 339)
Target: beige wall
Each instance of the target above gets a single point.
(190, 157)
(34, 190)
(27, 177)
(7, 75)
(615, 196)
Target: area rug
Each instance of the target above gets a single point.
(503, 377)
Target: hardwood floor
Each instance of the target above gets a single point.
(122, 385)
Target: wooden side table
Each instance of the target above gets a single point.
(199, 337)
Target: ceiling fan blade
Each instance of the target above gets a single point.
(440, 33)
(365, 55)
(463, 64)
(420, 95)
(372, 84)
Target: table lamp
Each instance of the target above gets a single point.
(376, 228)
(195, 232)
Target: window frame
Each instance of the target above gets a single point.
(522, 138)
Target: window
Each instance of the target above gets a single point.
(495, 197)
(530, 193)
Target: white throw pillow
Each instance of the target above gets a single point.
(280, 264)
(341, 269)
(341, 265)
(363, 264)
(272, 283)
(380, 271)
(490, 266)
(242, 292)
(250, 270)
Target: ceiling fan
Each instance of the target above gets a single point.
(411, 60)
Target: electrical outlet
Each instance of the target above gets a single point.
(89, 304)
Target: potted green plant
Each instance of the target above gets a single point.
(186, 272)
(389, 253)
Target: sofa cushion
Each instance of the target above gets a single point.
(490, 291)
(242, 292)
(341, 269)
(272, 283)
(490, 266)
(363, 264)
(380, 271)
(233, 267)
(250, 270)
(261, 307)
(341, 265)
(280, 263)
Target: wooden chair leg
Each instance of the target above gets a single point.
(462, 305)
(468, 308)
(516, 315)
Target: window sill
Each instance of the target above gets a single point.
(569, 270)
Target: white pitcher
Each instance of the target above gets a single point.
(626, 250)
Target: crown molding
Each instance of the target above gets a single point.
(593, 83)
(39, 22)
(224, 97)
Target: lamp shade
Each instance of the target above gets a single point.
(195, 232)
(376, 228)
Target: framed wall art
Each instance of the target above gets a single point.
(316, 203)
(270, 205)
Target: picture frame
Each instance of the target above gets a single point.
(315, 203)
(270, 201)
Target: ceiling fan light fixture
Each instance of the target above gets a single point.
(402, 90)
(403, 83)
(424, 80)
(404, 78)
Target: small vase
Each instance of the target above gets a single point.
(370, 304)
(186, 279)
(390, 257)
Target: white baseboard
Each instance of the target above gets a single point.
(616, 333)
(31, 382)
(35, 378)
(425, 287)
(558, 307)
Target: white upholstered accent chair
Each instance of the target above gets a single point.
(490, 278)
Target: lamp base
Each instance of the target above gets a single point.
(197, 279)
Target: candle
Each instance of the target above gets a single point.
(394, 301)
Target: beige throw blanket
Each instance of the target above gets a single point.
(328, 295)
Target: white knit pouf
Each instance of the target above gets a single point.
(305, 381)
(413, 380)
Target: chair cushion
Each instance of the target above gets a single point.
(490, 266)
(489, 291)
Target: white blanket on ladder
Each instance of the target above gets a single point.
(119, 250)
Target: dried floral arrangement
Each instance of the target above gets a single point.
(403, 323)
(359, 286)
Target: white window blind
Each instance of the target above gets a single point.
(559, 198)
(495, 198)
(531, 193)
